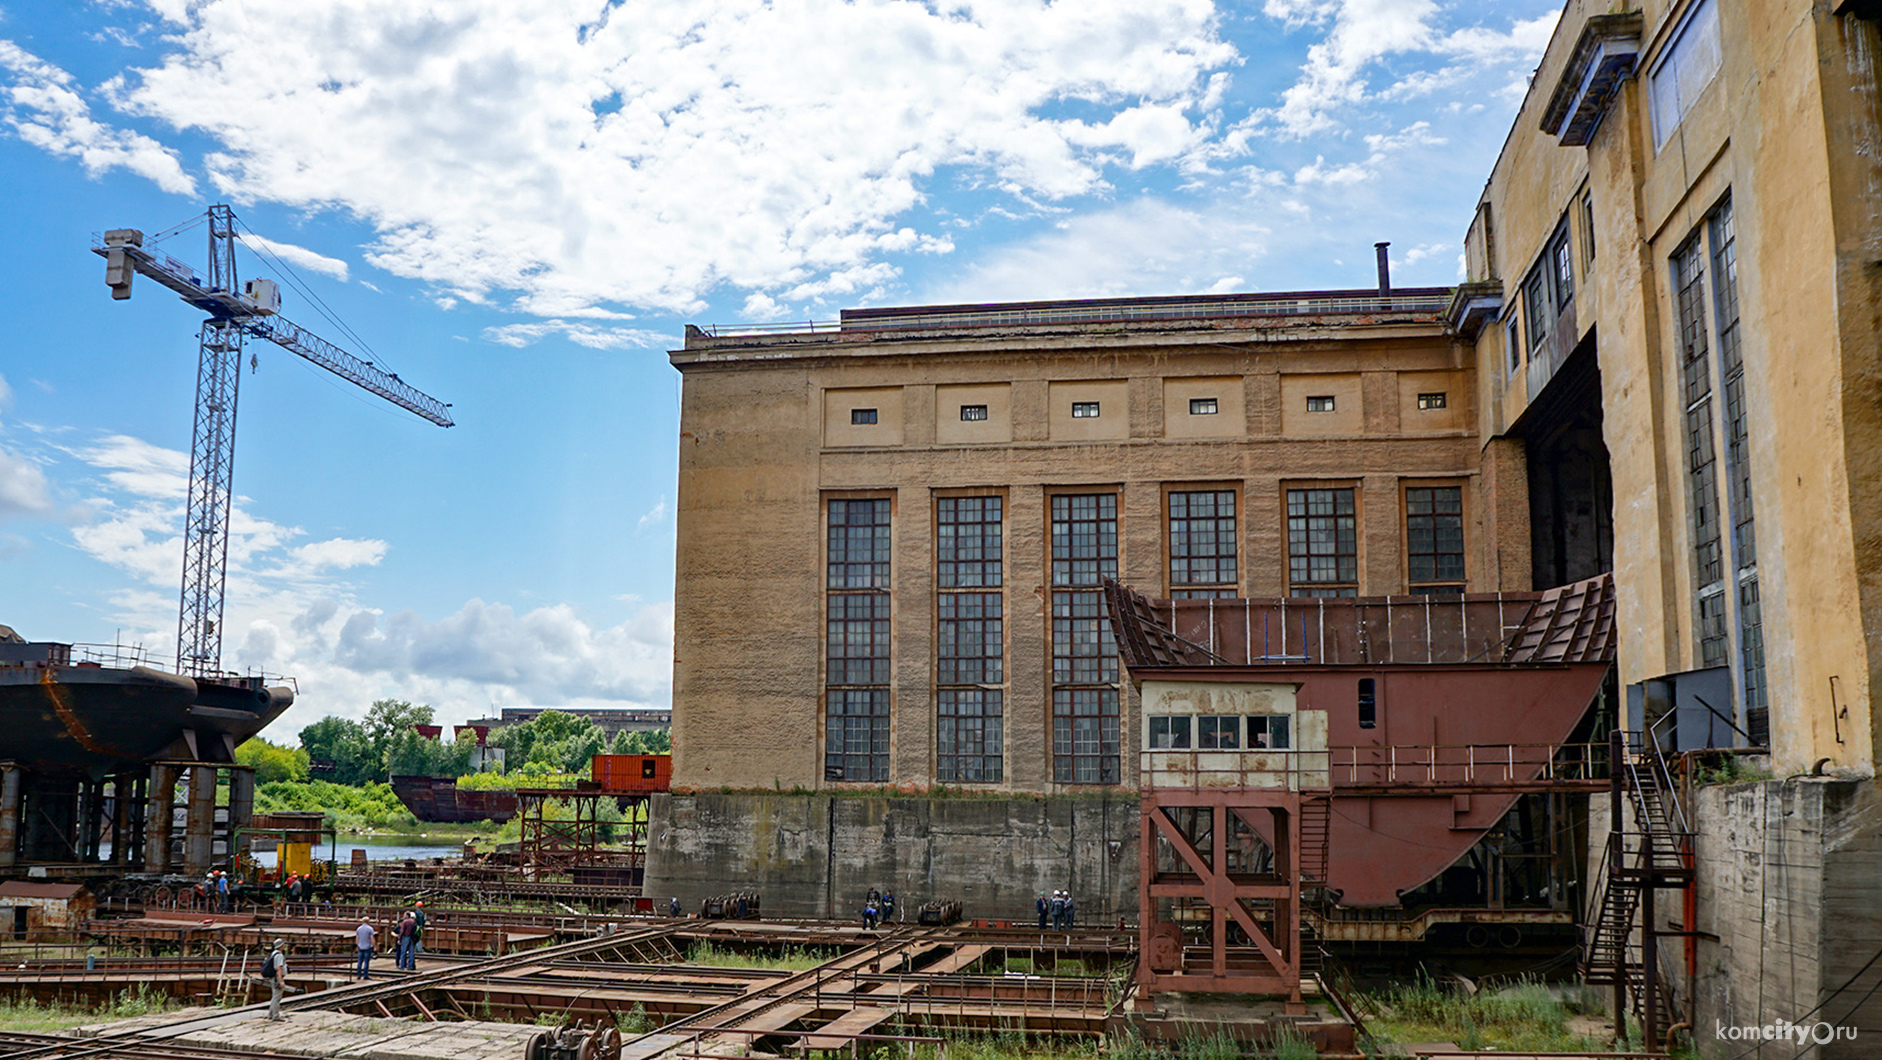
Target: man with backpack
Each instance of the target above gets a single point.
(418, 937)
(274, 970)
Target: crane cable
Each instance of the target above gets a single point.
(294, 281)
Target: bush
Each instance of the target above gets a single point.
(366, 806)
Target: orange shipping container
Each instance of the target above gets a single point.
(633, 773)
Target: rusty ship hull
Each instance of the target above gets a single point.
(61, 712)
(438, 800)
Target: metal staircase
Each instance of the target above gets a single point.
(1649, 849)
(1316, 813)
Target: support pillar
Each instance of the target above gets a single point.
(241, 809)
(160, 813)
(9, 815)
(199, 829)
(91, 819)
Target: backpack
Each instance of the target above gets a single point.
(268, 966)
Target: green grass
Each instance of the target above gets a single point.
(634, 1020)
(350, 808)
(789, 959)
(26, 1015)
(1526, 1017)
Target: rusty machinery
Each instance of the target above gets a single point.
(1329, 756)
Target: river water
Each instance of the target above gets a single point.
(379, 848)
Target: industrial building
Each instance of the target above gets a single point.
(1673, 299)
(895, 531)
(893, 534)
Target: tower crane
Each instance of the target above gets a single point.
(237, 311)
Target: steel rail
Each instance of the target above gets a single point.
(348, 995)
(772, 995)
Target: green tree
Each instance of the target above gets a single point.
(652, 742)
(271, 761)
(340, 743)
(554, 739)
(387, 720)
(415, 755)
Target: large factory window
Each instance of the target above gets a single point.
(1322, 542)
(1085, 691)
(1702, 487)
(1202, 545)
(970, 659)
(1434, 539)
(1738, 474)
(856, 699)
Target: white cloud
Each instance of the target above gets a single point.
(599, 338)
(1364, 33)
(41, 105)
(549, 655)
(22, 486)
(1145, 247)
(569, 154)
(290, 609)
(653, 516)
(297, 256)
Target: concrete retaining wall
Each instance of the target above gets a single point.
(1790, 884)
(818, 855)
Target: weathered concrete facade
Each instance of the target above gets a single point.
(1790, 910)
(1674, 303)
(1692, 275)
(816, 855)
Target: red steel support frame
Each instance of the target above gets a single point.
(1273, 964)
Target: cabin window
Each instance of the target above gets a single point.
(1219, 734)
(1169, 732)
(1368, 705)
(1268, 732)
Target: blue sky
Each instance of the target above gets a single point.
(519, 207)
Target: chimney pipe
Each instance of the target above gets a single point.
(1385, 269)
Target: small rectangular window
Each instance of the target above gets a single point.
(1268, 732)
(1084, 410)
(1202, 406)
(1169, 732)
(1320, 403)
(1513, 345)
(1368, 705)
(1219, 734)
(1431, 401)
(973, 413)
(862, 416)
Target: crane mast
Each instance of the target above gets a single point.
(236, 312)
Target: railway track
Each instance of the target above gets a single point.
(150, 1041)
